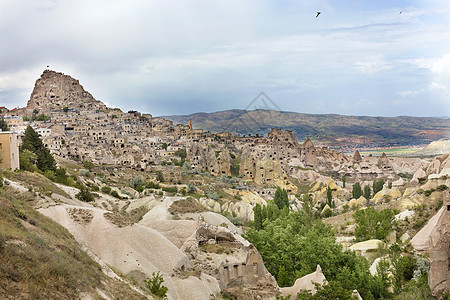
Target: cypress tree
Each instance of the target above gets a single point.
(367, 192)
(257, 217)
(356, 192)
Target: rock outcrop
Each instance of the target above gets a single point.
(439, 250)
(357, 157)
(305, 283)
(55, 91)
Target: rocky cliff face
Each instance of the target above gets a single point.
(439, 275)
(216, 165)
(55, 90)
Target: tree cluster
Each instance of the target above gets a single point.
(33, 153)
(372, 224)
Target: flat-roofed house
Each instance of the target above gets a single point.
(9, 150)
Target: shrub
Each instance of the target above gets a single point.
(88, 165)
(154, 284)
(136, 181)
(170, 189)
(191, 187)
(159, 176)
(1, 180)
(441, 187)
(225, 225)
(152, 185)
(84, 172)
(106, 189)
(212, 195)
(50, 175)
(327, 213)
(115, 194)
(84, 195)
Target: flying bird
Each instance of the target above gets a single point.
(318, 13)
(400, 12)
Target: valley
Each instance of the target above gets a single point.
(128, 199)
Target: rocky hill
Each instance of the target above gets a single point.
(55, 90)
(402, 130)
(436, 148)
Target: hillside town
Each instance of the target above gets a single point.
(193, 197)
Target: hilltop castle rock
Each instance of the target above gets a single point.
(55, 91)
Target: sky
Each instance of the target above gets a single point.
(164, 57)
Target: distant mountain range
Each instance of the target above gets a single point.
(326, 128)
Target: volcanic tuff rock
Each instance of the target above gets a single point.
(439, 275)
(357, 157)
(55, 91)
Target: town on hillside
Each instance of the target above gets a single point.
(224, 216)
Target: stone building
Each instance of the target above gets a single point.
(9, 150)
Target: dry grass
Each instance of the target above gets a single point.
(123, 218)
(34, 181)
(39, 259)
(80, 215)
(184, 206)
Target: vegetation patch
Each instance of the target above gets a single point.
(44, 261)
(123, 218)
(80, 215)
(188, 205)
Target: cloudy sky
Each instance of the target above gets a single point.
(359, 57)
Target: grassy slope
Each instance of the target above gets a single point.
(39, 259)
(321, 127)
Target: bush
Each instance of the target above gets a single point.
(84, 172)
(170, 189)
(154, 284)
(327, 213)
(106, 189)
(1, 180)
(88, 165)
(115, 194)
(152, 185)
(84, 195)
(441, 187)
(191, 188)
(136, 181)
(212, 195)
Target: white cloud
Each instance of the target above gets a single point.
(372, 66)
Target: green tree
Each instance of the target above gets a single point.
(155, 285)
(281, 198)
(159, 176)
(84, 194)
(33, 143)
(377, 186)
(356, 192)
(371, 224)
(3, 125)
(181, 153)
(330, 202)
(257, 216)
(332, 290)
(87, 164)
(344, 180)
(367, 192)
(283, 277)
